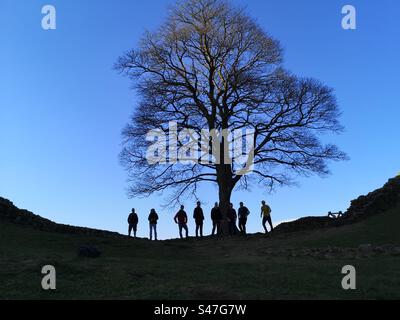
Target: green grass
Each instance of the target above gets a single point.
(237, 268)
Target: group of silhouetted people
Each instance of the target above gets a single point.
(181, 219)
(133, 221)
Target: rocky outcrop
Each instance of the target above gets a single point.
(89, 252)
(373, 203)
(10, 213)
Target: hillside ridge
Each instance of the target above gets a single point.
(364, 206)
(9, 212)
(375, 202)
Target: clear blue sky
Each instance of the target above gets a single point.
(62, 106)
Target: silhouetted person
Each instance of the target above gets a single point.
(153, 217)
(231, 217)
(133, 221)
(243, 212)
(181, 219)
(266, 215)
(216, 217)
(198, 217)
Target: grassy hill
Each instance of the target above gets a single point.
(300, 260)
(295, 265)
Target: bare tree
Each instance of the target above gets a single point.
(212, 66)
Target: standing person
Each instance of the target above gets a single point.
(198, 217)
(243, 212)
(153, 217)
(266, 214)
(133, 221)
(216, 217)
(231, 217)
(181, 219)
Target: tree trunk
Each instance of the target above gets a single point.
(225, 191)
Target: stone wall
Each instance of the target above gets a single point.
(10, 213)
(373, 203)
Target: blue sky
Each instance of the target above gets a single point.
(62, 106)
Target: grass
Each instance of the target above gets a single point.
(237, 268)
